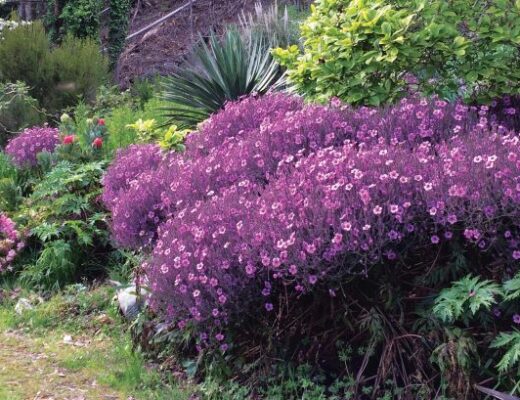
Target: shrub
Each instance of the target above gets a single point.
(25, 56)
(218, 72)
(279, 234)
(18, 110)
(67, 226)
(25, 147)
(57, 77)
(237, 144)
(368, 52)
(78, 69)
(334, 214)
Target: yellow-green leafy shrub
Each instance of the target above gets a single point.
(370, 51)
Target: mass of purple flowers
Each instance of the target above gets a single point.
(10, 242)
(273, 195)
(25, 147)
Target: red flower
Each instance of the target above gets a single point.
(101, 122)
(69, 139)
(97, 143)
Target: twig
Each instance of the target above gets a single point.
(160, 20)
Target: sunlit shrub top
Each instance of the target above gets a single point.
(25, 147)
(372, 52)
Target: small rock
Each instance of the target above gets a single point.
(67, 339)
(104, 319)
(23, 305)
(128, 302)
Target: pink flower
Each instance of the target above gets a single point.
(97, 143)
(69, 139)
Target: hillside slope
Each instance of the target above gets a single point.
(160, 50)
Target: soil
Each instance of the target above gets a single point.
(162, 49)
(29, 370)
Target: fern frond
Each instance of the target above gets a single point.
(467, 294)
(512, 288)
(510, 341)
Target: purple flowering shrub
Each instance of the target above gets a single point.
(248, 139)
(276, 198)
(10, 242)
(25, 147)
(129, 163)
(239, 118)
(331, 214)
(179, 181)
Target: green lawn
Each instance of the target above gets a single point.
(75, 346)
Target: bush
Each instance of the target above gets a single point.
(18, 110)
(25, 56)
(248, 139)
(57, 77)
(316, 230)
(24, 148)
(368, 52)
(334, 214)
(78, 69)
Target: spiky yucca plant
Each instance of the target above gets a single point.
(220, 70)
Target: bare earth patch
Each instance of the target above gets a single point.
(31, 370)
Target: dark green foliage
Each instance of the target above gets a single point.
(219, 71)
(59, 76)
(10, 192)
(25, 56)
(18, 110)
(81, 18)
(119, 13)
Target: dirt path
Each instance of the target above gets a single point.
(31, 370)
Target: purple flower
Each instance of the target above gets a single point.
(25, 147)
(516, 319)
(10, 242)
(271, 190)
